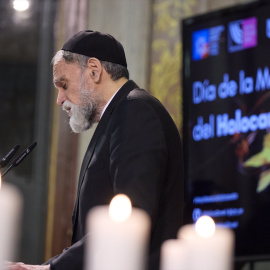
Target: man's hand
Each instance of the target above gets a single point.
(22, 266)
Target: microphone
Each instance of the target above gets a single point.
(20, 158)
(5, 160)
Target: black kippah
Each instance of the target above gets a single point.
(95, 44)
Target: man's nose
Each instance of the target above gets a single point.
(61, 97)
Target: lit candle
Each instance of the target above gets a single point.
(118, 236)
(208, 247)
(173, 255)
(10, 215)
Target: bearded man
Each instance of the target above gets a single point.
(135, 150)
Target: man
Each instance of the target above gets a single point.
(135, 150)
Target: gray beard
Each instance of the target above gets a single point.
(84, 115)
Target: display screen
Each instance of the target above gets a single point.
(226, 122)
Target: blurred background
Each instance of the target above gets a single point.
(30, 33)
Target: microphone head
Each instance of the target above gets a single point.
(20, 158)
(5, 160)
(23, 155)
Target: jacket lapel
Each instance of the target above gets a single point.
(122, 93)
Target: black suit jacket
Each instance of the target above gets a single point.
(135, 150)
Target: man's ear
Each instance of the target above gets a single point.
(95, 69)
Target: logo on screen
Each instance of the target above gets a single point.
(206, 42)
(242, 34)
(200, 44)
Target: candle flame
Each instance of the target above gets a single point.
(205, 226)
(120, 208)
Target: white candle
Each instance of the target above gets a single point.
(10, 216)
(208, 247)
(117, 240)
(173, 255)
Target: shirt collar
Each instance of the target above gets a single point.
(107, 104)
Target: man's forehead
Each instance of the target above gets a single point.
(62, 70)
(59, 65)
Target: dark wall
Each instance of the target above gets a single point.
(25, 111)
